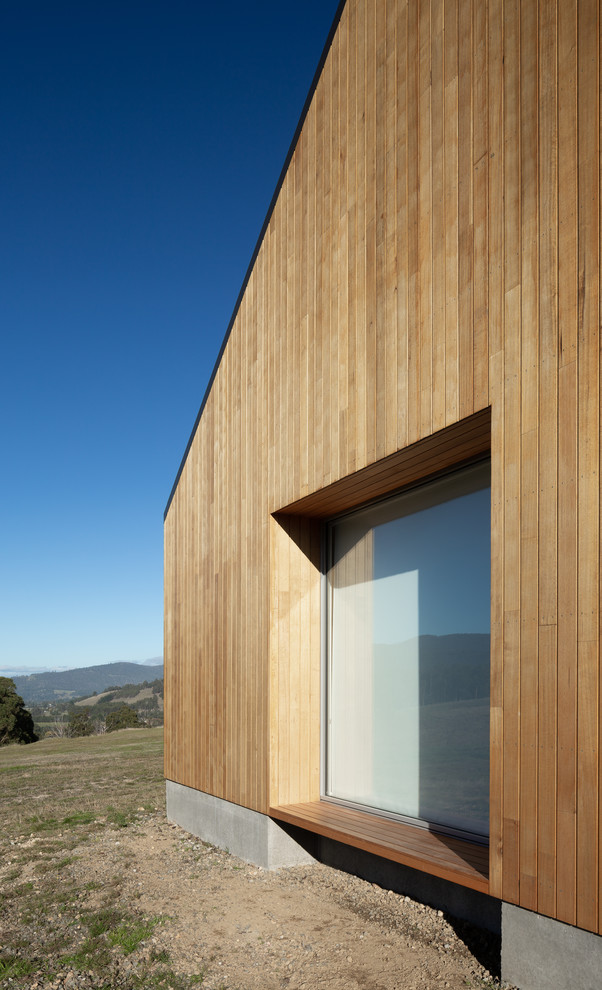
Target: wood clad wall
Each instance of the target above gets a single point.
(433, 251)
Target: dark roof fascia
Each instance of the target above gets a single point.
(268, 217)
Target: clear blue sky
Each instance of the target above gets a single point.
(141, 142)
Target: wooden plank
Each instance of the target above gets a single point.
(496, 724)
(548, 466)
(360, 246)
(332, 467)
(379, 335)
(480, 167)
(425, 204)
(465, 211)
(402, 224)
(353, 317)
(523, 266)
(438, 359)
(454, 445)
(390, 228)
(450, 129)
(529, 684)
(412, 376)
(370, 154)
(341, 327)
(588, 505)
(495, 234)
(567, 645)
(508, 885)
(443, 856)
(566, 826)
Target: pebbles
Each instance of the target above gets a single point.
(302, 928)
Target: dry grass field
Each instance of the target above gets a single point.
(59, 927)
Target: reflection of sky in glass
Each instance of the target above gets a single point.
(453, 572)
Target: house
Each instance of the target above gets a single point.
(382, 550)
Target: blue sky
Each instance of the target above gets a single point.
(141, 143)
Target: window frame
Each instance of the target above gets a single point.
(326, 553)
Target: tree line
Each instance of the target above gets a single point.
(18, 724)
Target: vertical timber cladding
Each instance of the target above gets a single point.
(433, 251)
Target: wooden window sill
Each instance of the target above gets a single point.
(462, 862)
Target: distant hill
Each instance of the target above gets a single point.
(450, 668)
(82, 681)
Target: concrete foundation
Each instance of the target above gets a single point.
(270, 844)
(539, 953)
(246, 834)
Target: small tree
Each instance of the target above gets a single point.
(80, 724)
(58, 730)
(125, 717)
(16, 723)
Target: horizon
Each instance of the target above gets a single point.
(12, 672)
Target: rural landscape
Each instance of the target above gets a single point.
(98, 890)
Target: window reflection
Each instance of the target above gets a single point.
(408, 654)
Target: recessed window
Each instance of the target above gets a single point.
(407, 664)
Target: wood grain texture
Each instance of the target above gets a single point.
(452, 859)
(427, 289)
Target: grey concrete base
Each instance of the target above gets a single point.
(246, 834)
(541, 954)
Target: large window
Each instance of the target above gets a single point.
(407, 665)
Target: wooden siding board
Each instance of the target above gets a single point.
(480, 165)
(413, 304)
(433, 250)
(450, 206)
(588, 467)
(390, 229)
(465, 209)
(437, 154)
(379, 336)
(402, 228)
(547, 585)
(425, 208)
(566, 828)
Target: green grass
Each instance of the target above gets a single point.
(12, 967)
(128, 936)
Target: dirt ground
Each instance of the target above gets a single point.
(99, 892)
(302, 927)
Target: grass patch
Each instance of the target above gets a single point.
(13, 874)
(129, 936)
(161, 956)
(119, 818)
(62, 863)
(37, 824)
(80, 818)
(104, 921)
(12, 967)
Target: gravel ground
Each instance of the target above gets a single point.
(226, 924)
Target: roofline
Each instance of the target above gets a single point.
(264, 228)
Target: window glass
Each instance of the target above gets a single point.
(408, 654)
